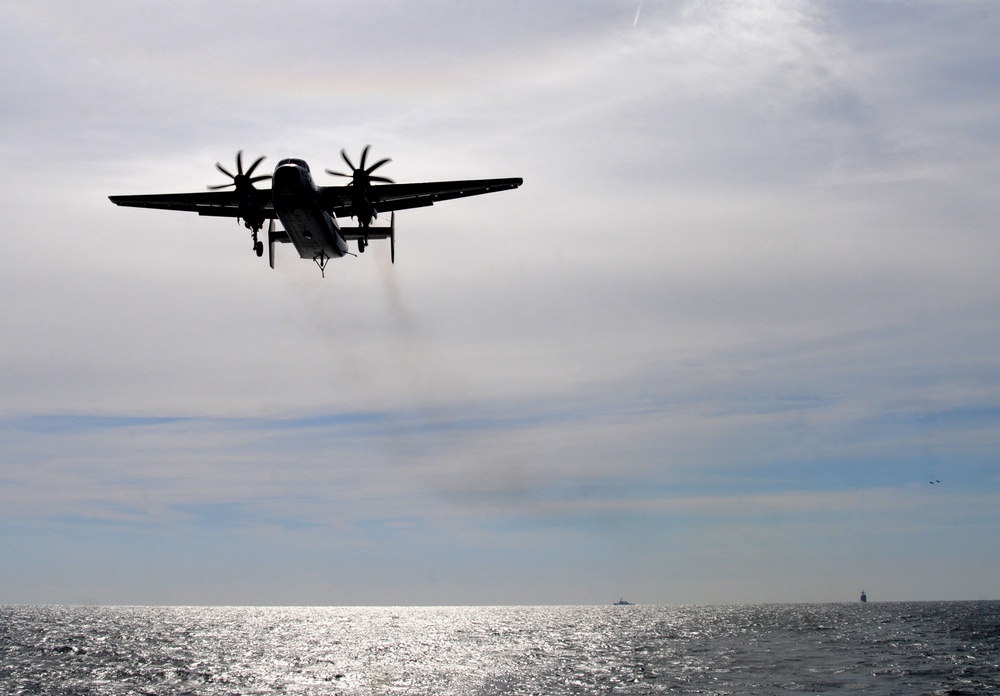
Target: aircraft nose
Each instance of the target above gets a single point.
(287, 173)
(290, 185)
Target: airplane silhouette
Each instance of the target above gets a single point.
(308, 212)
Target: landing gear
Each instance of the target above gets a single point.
(258, 246)
(321, 260)
(362, 245)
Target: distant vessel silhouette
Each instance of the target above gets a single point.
(622, 603)
(864, 597)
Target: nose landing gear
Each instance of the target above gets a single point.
(321, 260)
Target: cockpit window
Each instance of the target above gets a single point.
(297, 162)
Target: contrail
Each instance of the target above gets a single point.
(637, 11)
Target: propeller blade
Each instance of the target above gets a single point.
(377, 165)
(240, 179)
(254, 165)
(343, 153)
(361, 176)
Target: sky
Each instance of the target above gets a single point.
(742, 312)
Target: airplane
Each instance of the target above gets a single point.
(308, 213)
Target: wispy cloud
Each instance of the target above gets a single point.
(745, 300)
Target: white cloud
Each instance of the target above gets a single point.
(753, 248)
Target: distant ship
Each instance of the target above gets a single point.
(864, 597)
(622, 603)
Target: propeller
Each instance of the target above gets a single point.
(240, 179)
(362, 176)
(250, 206)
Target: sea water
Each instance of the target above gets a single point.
(874, 648)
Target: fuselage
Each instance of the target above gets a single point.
(313, 231)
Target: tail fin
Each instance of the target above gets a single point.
(270, 244)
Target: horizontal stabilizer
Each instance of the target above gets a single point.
(366, 232)
(370, 233)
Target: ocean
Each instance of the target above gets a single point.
(873, 648)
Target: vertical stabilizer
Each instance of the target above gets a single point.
(270, 244)
(392, 237)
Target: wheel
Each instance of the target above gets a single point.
(361, 246)
(259, 248)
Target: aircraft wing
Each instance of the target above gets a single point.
(338, 200)
(215, 203)
(388, 197)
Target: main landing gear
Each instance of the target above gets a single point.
(258, 246)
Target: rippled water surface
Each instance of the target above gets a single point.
(880, 648)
